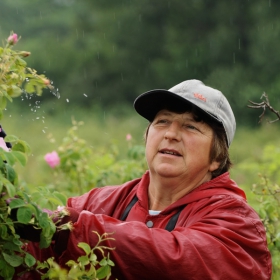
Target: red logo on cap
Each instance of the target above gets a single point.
(199, 96)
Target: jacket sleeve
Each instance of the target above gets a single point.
(220, 245)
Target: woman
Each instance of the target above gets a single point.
(185, 218)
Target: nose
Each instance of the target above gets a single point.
(173, 132)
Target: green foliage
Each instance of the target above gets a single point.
(17, 207)
(266, 197)
(83, 167)
(15, 77)
(86, 267)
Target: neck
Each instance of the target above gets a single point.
(165, 191)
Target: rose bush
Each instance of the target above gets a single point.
(17, 206)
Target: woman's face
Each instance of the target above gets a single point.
(178, 146)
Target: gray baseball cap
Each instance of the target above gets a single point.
(208, 99)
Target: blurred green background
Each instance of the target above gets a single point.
(101, 54)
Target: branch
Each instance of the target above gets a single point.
(264, 105)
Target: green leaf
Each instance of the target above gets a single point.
(14, 91)
(3, 102)
(7, 272)
(47, 234)
(9, 158)
(111, 263)
(61, 197)
(29, 260)
(85, 247)
(24, 215)
(1, 163)
(1, 185)
(44, 220)
(11, 246)
(11, 138)
(103, 262)
(83, 260)
(71, 263)
(21, 158)
(103, 271)
(29, 88)
(21, 62)
(20, 146)
(9, 187)
(17, 202)
(13, 260)
(93, 258)
(11, 174)
(3, 231)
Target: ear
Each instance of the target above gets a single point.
(214, 165)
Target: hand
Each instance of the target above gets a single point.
(63, 218)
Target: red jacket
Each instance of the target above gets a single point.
(217, 236)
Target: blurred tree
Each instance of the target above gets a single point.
(107, 52)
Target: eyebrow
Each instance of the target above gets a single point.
(186, 118)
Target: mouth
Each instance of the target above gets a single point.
(170, 152)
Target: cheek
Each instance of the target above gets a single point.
(152, 144)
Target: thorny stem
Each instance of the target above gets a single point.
(102, 238)
(264, 105)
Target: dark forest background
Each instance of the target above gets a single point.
(105, 53)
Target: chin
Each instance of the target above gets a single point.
(167, 173)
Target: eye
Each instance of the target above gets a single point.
(191, 127)
(161, 121)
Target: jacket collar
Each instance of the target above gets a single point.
(221, 185)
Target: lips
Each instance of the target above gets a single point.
(170, 152)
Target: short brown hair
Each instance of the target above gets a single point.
(219, 150)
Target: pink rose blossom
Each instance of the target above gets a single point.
(128, 137)
(52, 159)
(60, 208)
(12, 39)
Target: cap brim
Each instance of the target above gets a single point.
(151, 102)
